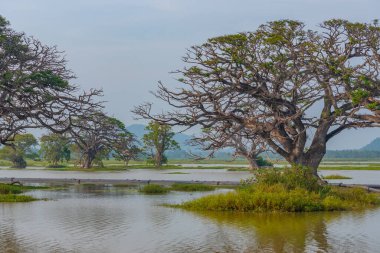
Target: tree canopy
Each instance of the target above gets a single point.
(294, 88)
(159, 139)
(55, 148)
(16, 150)
(35, 88)
(96, 135)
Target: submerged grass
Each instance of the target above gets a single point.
(154, 189)
(15, 198)
(177, 173)
(291, 190)
(238, 169)
(336, 176)
(159, 189)
(192, 187)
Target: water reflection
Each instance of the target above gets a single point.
(94, 218)
(299, 232)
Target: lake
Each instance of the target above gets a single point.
(104, 218)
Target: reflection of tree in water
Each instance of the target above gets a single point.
(279, 232)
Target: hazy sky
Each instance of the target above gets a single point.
(126, 46)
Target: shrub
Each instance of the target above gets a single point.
(261, 162)
(291, 178)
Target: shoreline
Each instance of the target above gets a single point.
(112, 181)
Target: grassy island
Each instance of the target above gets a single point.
(11, 193)
(290, 190)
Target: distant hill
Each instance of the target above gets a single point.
(372, 146)
(371, 150)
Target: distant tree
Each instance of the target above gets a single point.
(34, 87)
(16, 150)
(95, 136)
(295, 88)
(126, 149)
(55, 148)
(158, 140)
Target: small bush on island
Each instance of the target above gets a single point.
(289, 190)
(154, 189)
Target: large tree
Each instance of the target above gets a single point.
(295, 88)
(159, 139)
(126, 148)
(96, 135)
(16, 150)
(55, 148)
(34, 87)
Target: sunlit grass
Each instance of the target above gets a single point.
(291, 190)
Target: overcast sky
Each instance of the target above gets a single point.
(126, 46)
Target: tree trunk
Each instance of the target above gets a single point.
(126, 162)
(18, 162)
(311, 159)
(87, 160)
(158, 159)
(252, 163)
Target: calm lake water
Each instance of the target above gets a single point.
(89, 218)
(138, 174)
(114, 219)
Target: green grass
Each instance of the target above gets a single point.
(278, 198)
(238, 169)
(291, 190)
(192, 187)
(10, 193)
(336, 176)
(10, 189)
(15, 198)
(154, 189)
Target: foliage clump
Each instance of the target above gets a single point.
(289, 190)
